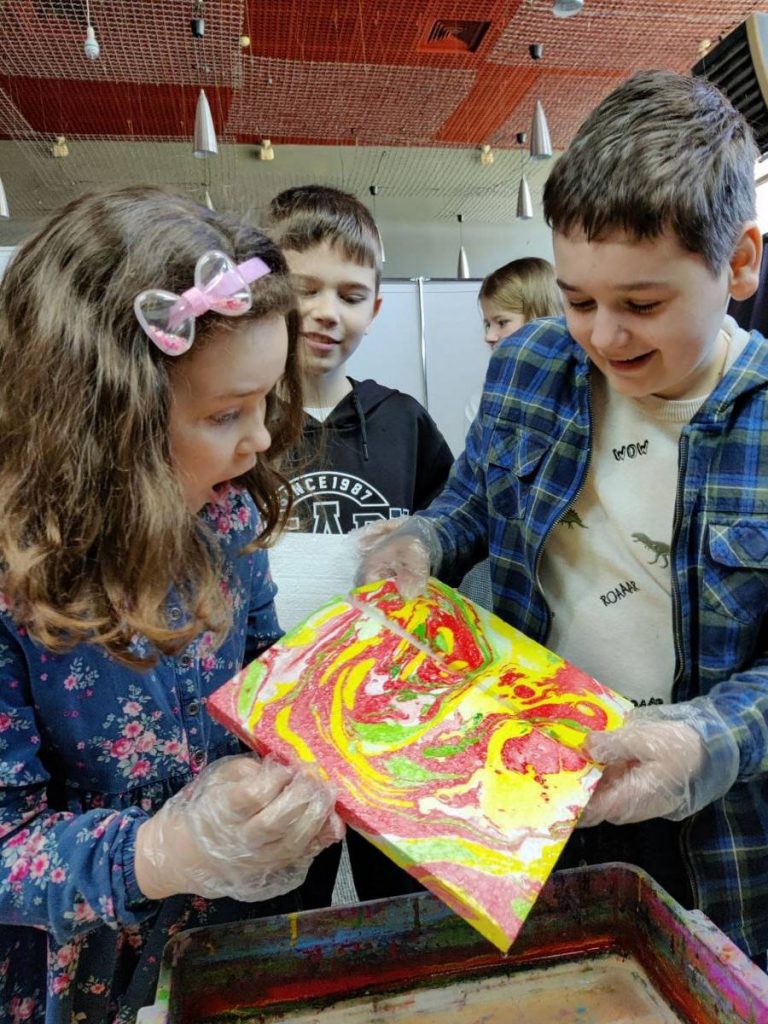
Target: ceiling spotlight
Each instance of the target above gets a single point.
(197, 21)
(265, 150)
(91, 45)
(536, 51)
(486, 155)
(567, 8)
(60, 147)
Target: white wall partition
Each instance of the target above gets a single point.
(428, 342)
(391, 351)
(6, 251)
(456, 355)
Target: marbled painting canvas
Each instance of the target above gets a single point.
(454, 740)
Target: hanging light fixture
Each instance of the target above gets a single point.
(197, 21)
(4, 210)
(374, 190)
(91, 45)
(524, 202)
(204, 143)
(208, 201)
(462, 270)
(541, 144)
(567, 8)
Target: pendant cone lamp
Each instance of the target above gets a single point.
(462, 268)
(541, 144)
(374, 190)
(381, 245)
(204, 144)
(524, 202)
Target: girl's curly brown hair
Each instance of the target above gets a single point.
(94, 530)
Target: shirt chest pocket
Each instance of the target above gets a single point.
(512, 468)
(735, 576)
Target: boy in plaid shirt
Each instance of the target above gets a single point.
(616, 477)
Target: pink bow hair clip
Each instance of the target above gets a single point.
(168, 320)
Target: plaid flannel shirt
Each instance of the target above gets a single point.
(525, 461)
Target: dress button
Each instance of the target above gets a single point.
(193, 707)
(185, 660)
(198, 760)
(174, 614)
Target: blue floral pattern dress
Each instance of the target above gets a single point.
(89, 748)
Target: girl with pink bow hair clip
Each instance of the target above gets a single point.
(148, 382)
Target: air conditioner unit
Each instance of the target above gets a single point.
(738, 66)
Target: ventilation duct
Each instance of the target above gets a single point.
(452, 35)
(738, 65)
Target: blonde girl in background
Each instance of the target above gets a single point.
(509, 297)
(147, 362)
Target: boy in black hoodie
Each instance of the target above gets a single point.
(369, 452)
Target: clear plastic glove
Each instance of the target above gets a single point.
(244, 828)
(665, 762)
(406, 550)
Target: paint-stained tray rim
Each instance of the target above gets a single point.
(612, 908)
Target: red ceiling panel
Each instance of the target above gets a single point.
(385, 32)
(102, 109)
(338, 102)
(496, 92)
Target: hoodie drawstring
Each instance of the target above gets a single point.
(361, 419)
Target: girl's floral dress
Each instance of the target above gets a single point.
(89, 748)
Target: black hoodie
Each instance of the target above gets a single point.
(378, 455)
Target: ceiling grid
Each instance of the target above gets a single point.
(369, 77)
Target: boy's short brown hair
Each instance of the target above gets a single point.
(308, 215)
(661, 152)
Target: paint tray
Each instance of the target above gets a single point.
(603, 945)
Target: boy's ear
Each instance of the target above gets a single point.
(744, 264)
(376, 308)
